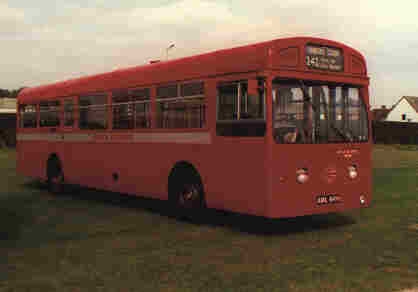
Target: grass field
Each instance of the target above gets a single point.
(88, 240)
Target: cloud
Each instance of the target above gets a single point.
(8, 13)
(10, 19)
(54, 40)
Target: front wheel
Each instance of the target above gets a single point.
(186, 195)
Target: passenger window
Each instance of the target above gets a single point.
(27, 114)
(93, 111)
(240, 110)
(68, 112)
(131, 108)
(228, 101)
(49, 113)
(181, 106)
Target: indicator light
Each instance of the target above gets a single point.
(362, 199)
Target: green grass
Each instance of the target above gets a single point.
(88, 240)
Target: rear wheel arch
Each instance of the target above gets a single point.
(54, 173)
(53, 165)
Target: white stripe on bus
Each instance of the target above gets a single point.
(77, 137)
(193, 137)
(184, 137)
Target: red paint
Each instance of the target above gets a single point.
(251, 175)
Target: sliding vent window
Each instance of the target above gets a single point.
(93, 111)
(241, 108)
(68, 113)
(131, 108)
(27, 115)
(181, 105)
(49, 113)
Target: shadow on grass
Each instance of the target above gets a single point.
(13, 217)
(209, 217)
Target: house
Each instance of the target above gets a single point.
(7, 121)
(380, 114)
(7, 105)
(405, 110)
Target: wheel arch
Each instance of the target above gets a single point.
(53, 165)
(180, 168)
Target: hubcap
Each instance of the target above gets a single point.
(57, 179)
(189, 196)
(56, 183)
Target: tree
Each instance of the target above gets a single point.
(4, 92)
(15, 92)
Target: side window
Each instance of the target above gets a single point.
(122, 109)
(131, 108)
(141, 101)
(93, 111)
(68, 112)
(228, 101)
(240, 109)
(181, 105)
(27, 114)
(49, 113)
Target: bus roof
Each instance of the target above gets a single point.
(247, 58)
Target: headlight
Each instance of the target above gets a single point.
(352, 171)
(302, 175)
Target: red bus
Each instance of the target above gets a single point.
(275, 129)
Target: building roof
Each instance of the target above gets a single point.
(413, 101)
(380, 114)
(7, 105)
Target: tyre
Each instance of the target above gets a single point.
(55, 176)
(186, 194)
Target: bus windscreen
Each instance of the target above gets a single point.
(314, 112)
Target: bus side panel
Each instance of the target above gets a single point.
(137, 167)
(85, 164)
(144, 167)
(237, 175)
(108, 166)
(133, 168)
(26, 160)
(32, 158)
(233, 180)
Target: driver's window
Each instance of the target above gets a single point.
(228, 101)
(240, 113)
(289, 113)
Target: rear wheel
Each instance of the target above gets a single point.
(55, 176)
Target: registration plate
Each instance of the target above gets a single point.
(328, 199)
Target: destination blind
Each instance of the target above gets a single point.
(324, 58)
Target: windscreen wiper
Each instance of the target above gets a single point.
(306, 96)
(340, 132)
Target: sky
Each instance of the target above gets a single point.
(50, 40)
